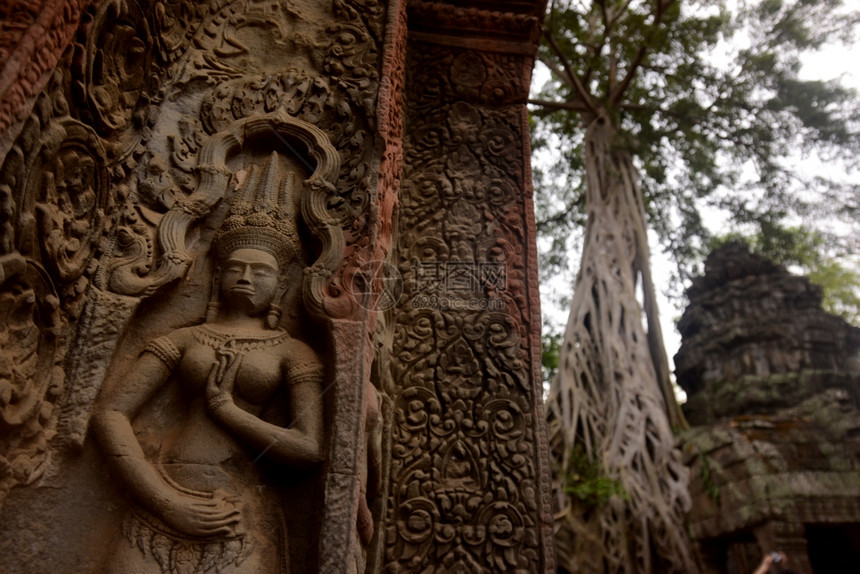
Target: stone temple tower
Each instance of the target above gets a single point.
(773, 390)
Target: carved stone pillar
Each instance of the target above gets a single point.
(469, 487)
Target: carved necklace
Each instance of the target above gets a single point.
(244, 342)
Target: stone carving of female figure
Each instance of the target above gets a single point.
(203, 504)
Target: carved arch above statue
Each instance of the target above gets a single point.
(215, 179)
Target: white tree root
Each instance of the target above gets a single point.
(606, 400)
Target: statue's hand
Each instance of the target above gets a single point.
(222, 378)
(201, 517)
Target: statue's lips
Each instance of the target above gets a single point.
(242, 289)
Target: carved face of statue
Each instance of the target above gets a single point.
(250, 280)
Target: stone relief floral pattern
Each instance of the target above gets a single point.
(465, 494)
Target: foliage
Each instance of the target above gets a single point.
(707, 476)
(550, 354)
(586, 481)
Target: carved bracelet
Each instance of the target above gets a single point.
(219, 401)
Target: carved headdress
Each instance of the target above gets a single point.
(261, 216)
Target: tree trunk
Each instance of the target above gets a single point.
(609, 429)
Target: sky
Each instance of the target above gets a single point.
(832, 62)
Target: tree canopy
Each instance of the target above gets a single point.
(708, 99)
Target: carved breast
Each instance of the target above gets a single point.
(260, 372)
(201, 440)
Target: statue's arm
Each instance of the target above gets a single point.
(300, 443)
(111, 426)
